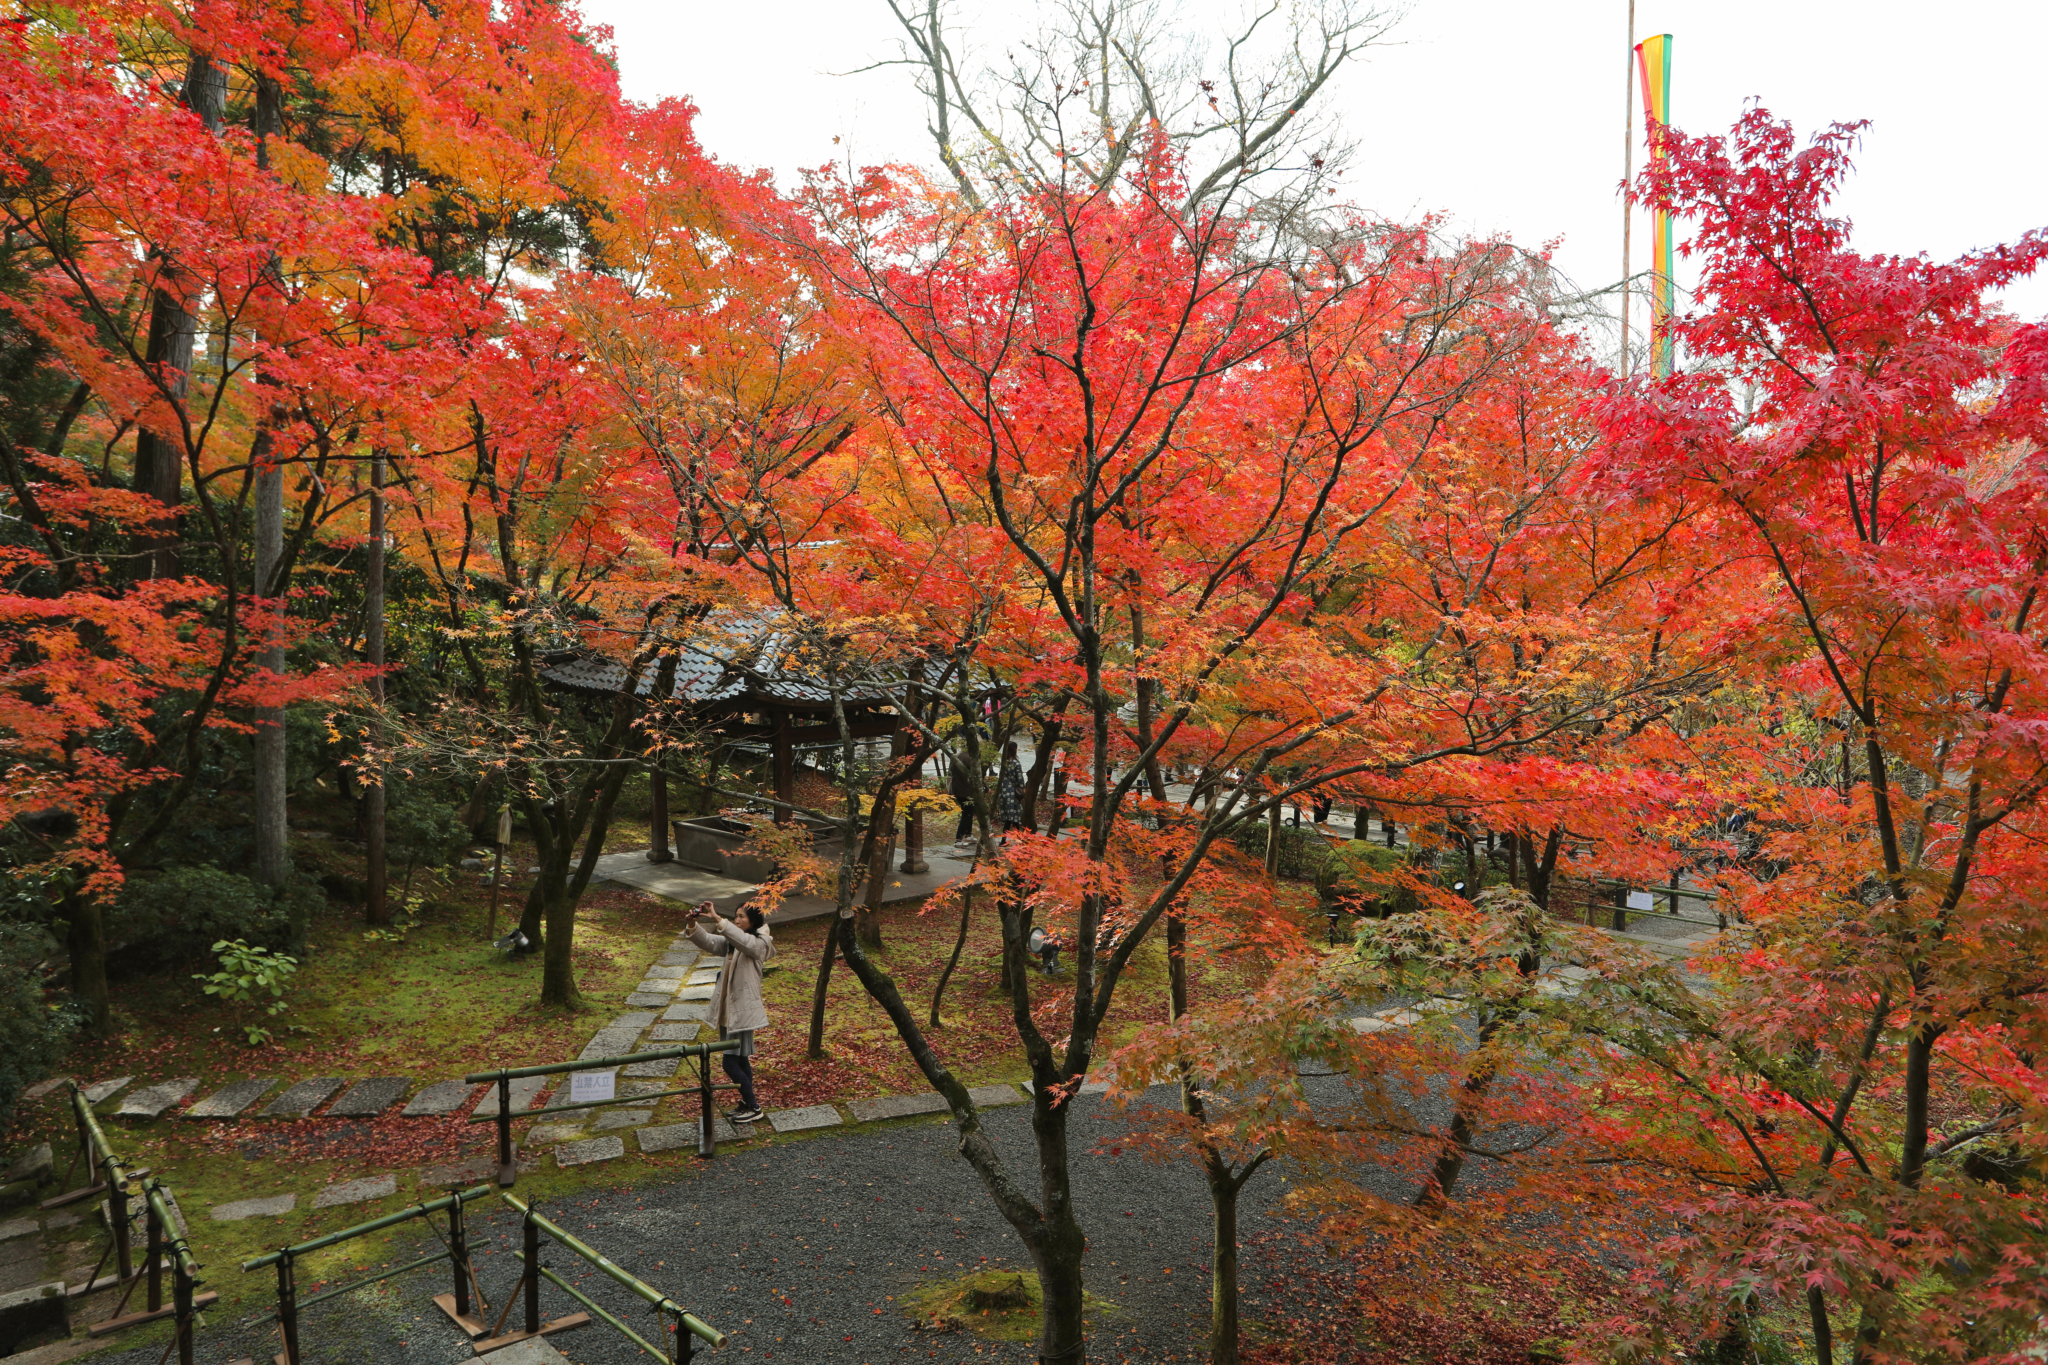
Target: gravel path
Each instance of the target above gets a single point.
(795, 1249)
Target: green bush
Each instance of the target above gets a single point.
(246, 975)
(33, 1035)
(419, 830)
(178, 914)
(1357, 869)
(1301, 848)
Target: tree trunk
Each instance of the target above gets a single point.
(273, 849)
(815, 1048)
(273, 857)
(1041, 765)
(1062, 1332)
(558, 966)
(939, 991)
(376, 910)
(88, 945)
(867, 922)
(1176, 965)
(160, 456)
(1273, 841)
(657, 814)
(1223, 1191)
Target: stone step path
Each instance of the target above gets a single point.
(668, 1006)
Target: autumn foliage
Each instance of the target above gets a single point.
(1243, 508)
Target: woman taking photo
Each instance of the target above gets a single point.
(736, 1009)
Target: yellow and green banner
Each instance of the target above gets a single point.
(1653, 65)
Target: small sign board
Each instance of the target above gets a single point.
(1641, 900)
(592, 1085)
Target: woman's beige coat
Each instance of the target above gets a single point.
(736, 1006)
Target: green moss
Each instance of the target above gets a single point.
(995, 1305)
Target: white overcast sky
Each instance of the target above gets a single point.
(1505, 116)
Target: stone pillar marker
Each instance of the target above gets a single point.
(913, 843)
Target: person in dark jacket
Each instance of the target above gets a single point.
(1010, 790)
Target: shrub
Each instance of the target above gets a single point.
(246, 977)
(177, 914)
(33, 1034)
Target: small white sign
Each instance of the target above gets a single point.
(1641, 900)
(592, 1085)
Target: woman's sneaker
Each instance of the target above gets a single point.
(746, 1116)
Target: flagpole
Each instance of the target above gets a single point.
(1628, 149)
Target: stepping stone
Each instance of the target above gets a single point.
(898, 1106)
(20, 1227)
(483, 1166)
(682, 960)
(303, 1098)
(689, 1009)
(232, 1100)
(682, 1137)
(704, 976)
(1087, 1087)
(442, 1097)
(994, 1096)
(647, 998)
(658, 985)
(662, 1068)
(696, 993)
(38, 1163)
(675, 1033)
(633, 1019)
(356, 1191)
(800, 1120)
(621, 1118)
(525, 1090)
(664, 971)
(670, 1137)
(632, 1088)
(589, 1150)
(548, 1134)
(367, 1099)
(532, 1351)
(275, 1207)
(100, 1090)
(42, 1088)
(151, 1101)
(27, 1312)
(609, 1042)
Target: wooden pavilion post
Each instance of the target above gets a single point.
(785, 768)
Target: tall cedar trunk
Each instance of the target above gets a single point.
(159, 474)
(87, 942)
(377, 910)
(273, 853)
(173, 330)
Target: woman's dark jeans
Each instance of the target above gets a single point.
(740, 1071)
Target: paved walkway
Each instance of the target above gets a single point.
(801, 1253)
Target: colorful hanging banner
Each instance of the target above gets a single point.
(1653, 65)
